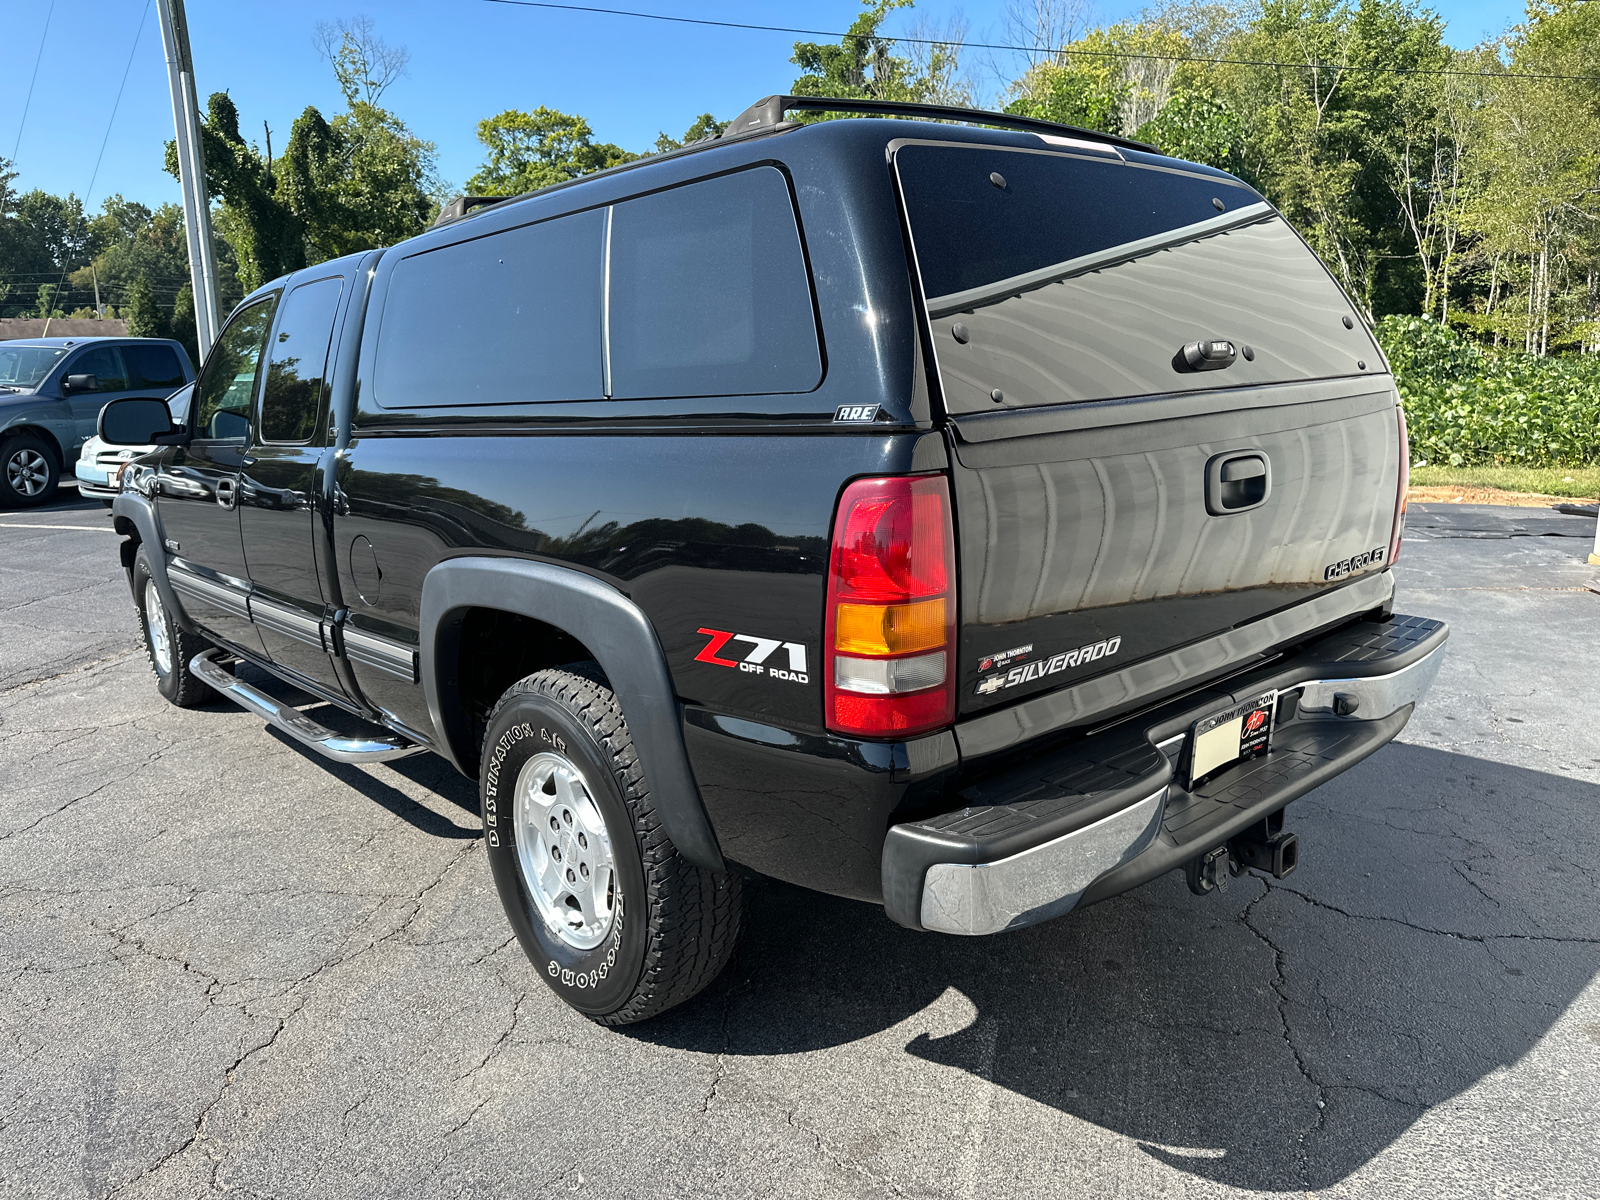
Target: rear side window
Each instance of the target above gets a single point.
(152, 367)
(510, 318)
(1053, 277)
(297, 361)
(709, 292)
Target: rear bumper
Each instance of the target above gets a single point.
(1107, 813)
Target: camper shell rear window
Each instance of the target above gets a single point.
(1053, 277)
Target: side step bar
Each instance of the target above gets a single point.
(296, 724)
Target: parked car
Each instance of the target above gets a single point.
(51, 393)
(99, 467)
(975, 520)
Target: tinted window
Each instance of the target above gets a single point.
(152, 367)
(298, 361)
(1083, 278)
(103, 363)
(505, 319)
(709, 292)
(226, 386)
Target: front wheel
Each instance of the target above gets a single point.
(166, 644)
(28, 474)
(614, 920)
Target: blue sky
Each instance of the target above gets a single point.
(469, 59)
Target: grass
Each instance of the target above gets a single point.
(1580, 483)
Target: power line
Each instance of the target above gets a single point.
(1236, 62)
(33, 79)
(104, 142)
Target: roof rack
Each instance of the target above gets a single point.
(462, 205)
(769, 112)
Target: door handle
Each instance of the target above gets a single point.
(1237, 482)
(1212, 354)
(226, 492)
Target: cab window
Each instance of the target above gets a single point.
(298, 361)
(228, 383)
(105, 364)
(152, 366)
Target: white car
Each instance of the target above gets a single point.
(99, 467)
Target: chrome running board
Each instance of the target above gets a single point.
(292, 721)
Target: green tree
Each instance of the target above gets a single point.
(1533, 216)
(531, 150)
(1199, 128)
(1323, 136)
(1070, 96)
(354, 183)
(267, 236)
(183, 325)
(48, 303)
(145, 317)
(705, 126)
(863, 65)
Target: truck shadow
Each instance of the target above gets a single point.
(1274, 1037)
(428, 772)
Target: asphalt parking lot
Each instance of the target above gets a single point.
(232, 966)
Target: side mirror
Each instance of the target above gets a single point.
(80, 383)
(137, 421)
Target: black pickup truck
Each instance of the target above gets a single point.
(959, 513)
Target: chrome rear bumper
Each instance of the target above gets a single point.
(1108, 813)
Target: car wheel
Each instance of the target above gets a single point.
(167, 646)
(28, 472)
(615, 921)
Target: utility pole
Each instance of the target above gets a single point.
(191, 171)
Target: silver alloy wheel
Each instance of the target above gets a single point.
(155, 620)
(564, 850)
(27, 472)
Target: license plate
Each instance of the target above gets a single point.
(1224, 738)
(114, 477)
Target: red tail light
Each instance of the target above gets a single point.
(1405, 486)
(889, 655)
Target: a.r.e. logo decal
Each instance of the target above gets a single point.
(856, 413)
(753, 661)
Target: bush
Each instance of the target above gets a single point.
(1468, 406)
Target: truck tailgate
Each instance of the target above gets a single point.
(1089, 545)
(1166, 420)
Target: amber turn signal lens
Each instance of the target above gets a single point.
(889, 628)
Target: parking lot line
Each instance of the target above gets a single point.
(83, 528)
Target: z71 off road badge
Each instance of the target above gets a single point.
(754, 660)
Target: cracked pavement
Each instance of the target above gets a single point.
(232, 967)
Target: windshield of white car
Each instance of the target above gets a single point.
(26, 366)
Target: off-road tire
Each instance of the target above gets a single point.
(675, 925)
(41, 456)
(175, 683)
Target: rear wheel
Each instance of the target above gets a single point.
(616, 922)
(28, 472)
(166, 644)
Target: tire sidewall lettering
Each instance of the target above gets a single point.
(594, 981)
